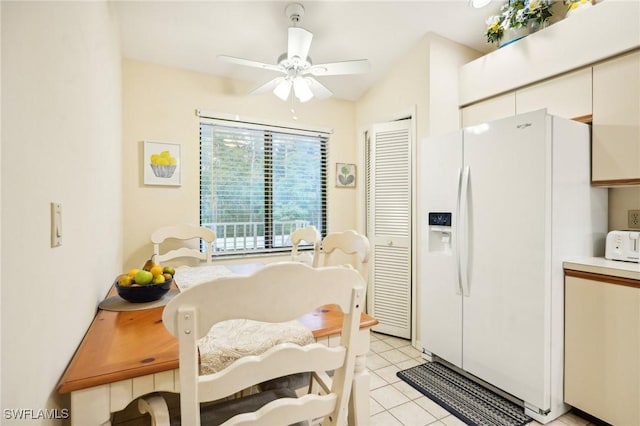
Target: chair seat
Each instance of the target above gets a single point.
(217, 413)
(230, 340)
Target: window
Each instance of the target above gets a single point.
(259, 183)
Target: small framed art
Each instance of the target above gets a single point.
(345, 175)
(161, 163)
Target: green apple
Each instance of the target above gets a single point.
(143, 277)
(169, 270)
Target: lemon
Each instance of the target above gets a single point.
(158, 279)
(125, 280)
(132, 273)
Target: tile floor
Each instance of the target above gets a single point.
(393, 402)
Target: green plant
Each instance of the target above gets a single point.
(574, 4)
(538, 11)
(517, 14)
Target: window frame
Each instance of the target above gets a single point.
(270, 245)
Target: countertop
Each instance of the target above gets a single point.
(602, 266)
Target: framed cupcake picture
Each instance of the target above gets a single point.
(161, 163)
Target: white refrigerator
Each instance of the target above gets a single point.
(501, 205)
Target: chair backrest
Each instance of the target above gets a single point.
(311, 235)
(347, 243)
(278, 292)
(183, 233)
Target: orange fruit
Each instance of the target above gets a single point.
(156, 270)
(132, 273)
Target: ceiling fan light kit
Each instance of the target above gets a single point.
(296, 65)
(479, 3)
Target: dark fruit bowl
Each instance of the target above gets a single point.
(143, 293)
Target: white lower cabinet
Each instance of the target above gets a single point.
(602, 347)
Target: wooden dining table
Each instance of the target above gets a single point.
(127, 354)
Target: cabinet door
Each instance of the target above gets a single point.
(602, 349)
(489, 110)
(616, 122)
(567, 96)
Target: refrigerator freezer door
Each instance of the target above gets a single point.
(439, 295)
(505, 329)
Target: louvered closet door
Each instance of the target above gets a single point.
(389, 227)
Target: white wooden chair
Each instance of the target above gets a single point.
(277, 293)
(310, 235)
(183, 233)
(341, 247)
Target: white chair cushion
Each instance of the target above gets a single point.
(230, 340)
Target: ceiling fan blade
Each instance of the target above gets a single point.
(299, 42)
(249, 63)
(359, 66)
(268, 86)
(318, 90)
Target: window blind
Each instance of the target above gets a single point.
(260, 183)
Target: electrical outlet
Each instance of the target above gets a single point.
(634, 219)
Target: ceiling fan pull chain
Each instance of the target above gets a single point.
(293, 110)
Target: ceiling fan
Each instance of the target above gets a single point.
(296, 65)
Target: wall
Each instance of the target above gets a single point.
(159, 104)
(620, 201)
(61, 131)
(425, 78)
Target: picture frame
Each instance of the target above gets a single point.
(161, 163)
(345, 175)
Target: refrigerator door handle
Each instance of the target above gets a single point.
(463, 233)
(456, 239)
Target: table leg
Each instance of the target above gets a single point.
(359, 401)
(90, 407)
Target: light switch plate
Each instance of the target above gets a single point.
(56, 224)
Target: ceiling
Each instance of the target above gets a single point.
(190, 34)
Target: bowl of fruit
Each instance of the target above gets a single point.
(145, 285)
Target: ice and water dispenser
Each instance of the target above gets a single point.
(440, 232)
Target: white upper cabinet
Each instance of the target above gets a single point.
(616, 122)
(567, 96)
(489, 110)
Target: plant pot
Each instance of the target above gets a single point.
(512, 35)
(537, 26)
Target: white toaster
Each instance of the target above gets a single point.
(623, 245)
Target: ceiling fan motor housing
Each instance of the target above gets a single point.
(294, 12)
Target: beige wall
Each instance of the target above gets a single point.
(425, 78)
(61, 128)
(159, 104)
(620, 201)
